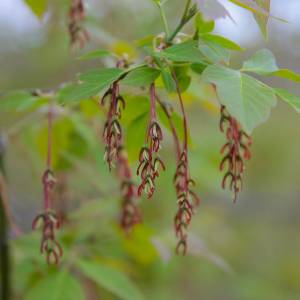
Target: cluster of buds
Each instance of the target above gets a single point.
(149, 162)
(235, 151)
(187, 200)
(112, 133)
(78, 34)
(49, 223)
(130, 213)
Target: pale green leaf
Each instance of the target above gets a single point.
(263, 62)
(247, 99)
(222, 41)
(141, 76)
(110, 279)
(214, 53)
(262, 20)
(58, 286)
(17, 101)
(291, 99)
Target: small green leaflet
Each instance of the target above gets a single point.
(102, 77)
(184, 52)
(58, 286)
(39, 7)
(96, 54)
(202, 25)
(222, 41)
(247, 99)
(143, 76)
(110, 279)
(263, 62)
(291, 99)
(214, 53)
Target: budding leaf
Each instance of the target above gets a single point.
(247, 99)
(143, 76)
(263, 62)
(39, 7)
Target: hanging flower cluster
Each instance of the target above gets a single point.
(187, 199)
(112, 133)
(78, 34)
(236, 150)
(48, 220)
(149, 162)
(130, 213)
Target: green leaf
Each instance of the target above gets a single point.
(287, 74)
(17, 101)
(77, 92)
(102, 77)
(214, 52)
(39, 7)
(291, 99)
(262, 20)
(168, 80)
(222, 41)
(58, 286)
(135, 135)
(96, 54)
(141, 77)
(263, 62)
(247, 99)
(184, 52)
(110, 279)
(203, 26)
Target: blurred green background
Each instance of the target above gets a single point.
(250, 250)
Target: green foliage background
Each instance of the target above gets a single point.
(246, 251)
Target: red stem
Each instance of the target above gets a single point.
(182, 110)
(152, 99)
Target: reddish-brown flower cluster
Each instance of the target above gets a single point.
(112, 133)
(78, 34)
(49, 223)
(235, 151)
(149, 162)
(187, 201)
(130, 213)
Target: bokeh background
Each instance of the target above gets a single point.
(250, 250)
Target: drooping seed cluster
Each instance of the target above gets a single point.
(187, 199)
(130, 213)
(236, 150)
(149, 162)
(112, 133)
(49, 223)
(78, 34)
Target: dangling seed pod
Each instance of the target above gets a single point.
(78, 34)
(130, 213)
(48, 220)
(149, 162)
(187, 199)
(112, 133)
(236, 150)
